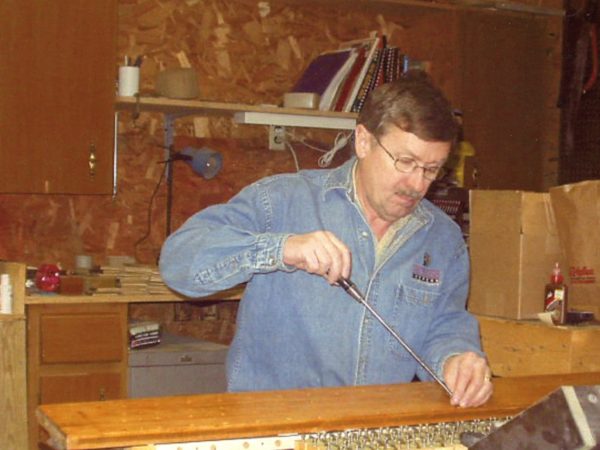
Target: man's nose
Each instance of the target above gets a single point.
(417, 180)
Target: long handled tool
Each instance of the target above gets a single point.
(351, 289)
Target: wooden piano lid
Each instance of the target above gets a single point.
(123, 423)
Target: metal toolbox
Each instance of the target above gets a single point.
(179, 365)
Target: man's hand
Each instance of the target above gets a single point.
(469, 378)
(319, 252)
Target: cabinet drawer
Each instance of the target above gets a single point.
(81, 337)
(81, 387)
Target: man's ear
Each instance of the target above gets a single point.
(362, 141)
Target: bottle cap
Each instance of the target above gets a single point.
(556, 274)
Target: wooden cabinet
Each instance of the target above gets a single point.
(75, 353)
(57, 86)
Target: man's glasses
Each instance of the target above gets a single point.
(406, 164)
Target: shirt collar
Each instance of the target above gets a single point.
(341, 177)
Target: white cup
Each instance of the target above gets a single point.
(129, 81)
(83, 263)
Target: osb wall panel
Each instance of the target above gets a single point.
(243, 51)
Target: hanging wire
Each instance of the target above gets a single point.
(149, 215)
(290, 147)
(341, 140)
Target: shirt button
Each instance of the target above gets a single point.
(364, 234)
(271, 261)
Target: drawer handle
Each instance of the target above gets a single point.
(102, 394)
(92, 160)
(185, 359)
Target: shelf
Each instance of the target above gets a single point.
(496, 6)
(233, 294)
(241, 113)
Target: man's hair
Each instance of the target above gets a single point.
(413, 104)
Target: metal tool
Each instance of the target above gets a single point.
(351, 289)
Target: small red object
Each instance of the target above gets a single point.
(47, 278)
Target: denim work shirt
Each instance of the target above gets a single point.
(294, 330)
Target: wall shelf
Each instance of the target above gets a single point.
(241, 113)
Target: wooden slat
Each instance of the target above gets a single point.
(124, 423)
(13, 400)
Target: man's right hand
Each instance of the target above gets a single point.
(319, 252)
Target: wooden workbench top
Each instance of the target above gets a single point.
(232, 294)
(124, 423)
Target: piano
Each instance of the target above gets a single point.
(403, 416)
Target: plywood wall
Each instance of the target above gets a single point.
(253, 52)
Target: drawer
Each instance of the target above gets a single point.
(81, 387)
(89, 335)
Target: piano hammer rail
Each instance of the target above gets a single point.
(269, 420)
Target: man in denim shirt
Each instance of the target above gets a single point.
(292, 236)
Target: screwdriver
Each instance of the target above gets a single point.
(354, 292)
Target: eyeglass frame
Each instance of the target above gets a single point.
(440, 172)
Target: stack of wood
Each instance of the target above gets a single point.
(134, 279)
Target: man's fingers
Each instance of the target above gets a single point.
(319, 252)
(469, 378)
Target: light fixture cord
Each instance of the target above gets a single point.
(149, 216)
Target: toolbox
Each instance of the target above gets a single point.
(179, 365)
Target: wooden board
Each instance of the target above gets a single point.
(13, 400)
(530, 347)
(508, 100)
(123, 423)
(233, 294)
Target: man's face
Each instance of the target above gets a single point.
(385, 192)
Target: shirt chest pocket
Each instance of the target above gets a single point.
(412, 314)
(413, 296)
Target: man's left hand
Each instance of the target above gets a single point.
(469, 378)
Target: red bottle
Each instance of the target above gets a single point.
(556, 295)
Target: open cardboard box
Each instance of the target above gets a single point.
(513, 245)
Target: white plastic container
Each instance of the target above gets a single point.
(5, 294)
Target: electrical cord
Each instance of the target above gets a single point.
(290, 147)
(149, 217)
(340, 142)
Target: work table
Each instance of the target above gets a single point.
(232, 294)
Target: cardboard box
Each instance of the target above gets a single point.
(513, 245)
